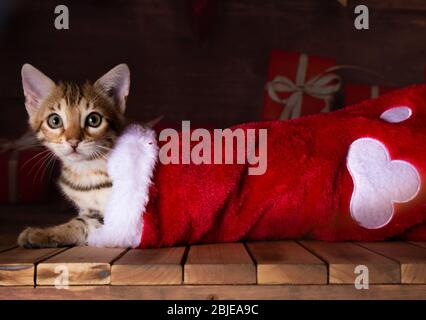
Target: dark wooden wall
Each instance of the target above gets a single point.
(218, 81)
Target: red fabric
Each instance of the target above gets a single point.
(306, 190)
(416, 233)
(356, 93)
(286, 64)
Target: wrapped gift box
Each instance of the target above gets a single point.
(355, 93)
(298, 85)
(24, 176)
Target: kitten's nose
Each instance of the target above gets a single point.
(74, 143)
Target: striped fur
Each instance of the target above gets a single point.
(84, 178)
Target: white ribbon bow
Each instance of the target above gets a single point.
(321, 86)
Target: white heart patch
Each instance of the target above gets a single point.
(379, 182)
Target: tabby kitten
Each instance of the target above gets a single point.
(79, 124)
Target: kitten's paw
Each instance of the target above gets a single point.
(38, 238)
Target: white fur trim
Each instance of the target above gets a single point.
(396, 114)
(379, 182)
(130, 166)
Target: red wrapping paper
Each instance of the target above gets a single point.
(4, 169)
(23, 179)
(288, 64)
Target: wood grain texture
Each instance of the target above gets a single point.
(215, 292)
(84, 266)
(17, 266)
(227, 263)
(412, 259)
(344, 257)
(419, 243)
(418, 5)
(343, 2)
(149, 267)
(7, 247)
(286, 262)
(15, 218)
(219, 81)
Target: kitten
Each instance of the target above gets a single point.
(78, 124)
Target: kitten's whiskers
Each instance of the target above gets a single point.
(38, 162)
(44, 166)
(33, 158)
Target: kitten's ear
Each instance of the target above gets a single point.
(116, 83)
(37, 86)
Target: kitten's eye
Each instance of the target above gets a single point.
(54, 121)
(94, 120)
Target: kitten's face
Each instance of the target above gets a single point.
(77, 123)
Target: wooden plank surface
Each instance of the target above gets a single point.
(5, 247)
(227, 263)
(217, 86)
(419, 5)
(219, 292)
(412, 259)
(419, 243)
(149, 267)
(81, 265)
(344, 257)
(17, 266)
(286, 262)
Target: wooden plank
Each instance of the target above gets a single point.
(227, 263)
(17, 266)
(6, 247)
(415, 5)
(344, 257)
(83, 265)
(219, 292)
(419, 243)
(344, 3)
(412, 259)
(149, 267)
(286, 262)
